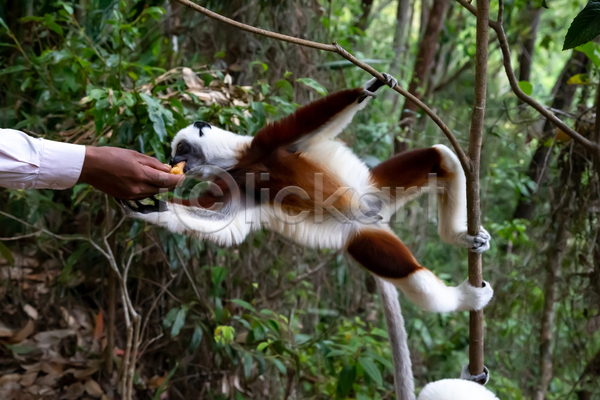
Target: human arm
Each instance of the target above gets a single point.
(33, 163)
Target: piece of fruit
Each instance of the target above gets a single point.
(178, 169)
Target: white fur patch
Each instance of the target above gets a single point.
(455, 389)
(452, 203)
(429, 293)
(220, 147)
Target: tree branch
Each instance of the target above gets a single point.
(336, 48)
(476, 365)
(514, 84)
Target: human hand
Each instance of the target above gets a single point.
(125, 174)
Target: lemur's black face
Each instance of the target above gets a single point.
(190, 151)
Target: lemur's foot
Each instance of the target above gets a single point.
(478, 243)
(390, 80)
(373, 84)
(473, 298)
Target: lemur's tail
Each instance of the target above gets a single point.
(403, 376)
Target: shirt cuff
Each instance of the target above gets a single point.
(60, 165)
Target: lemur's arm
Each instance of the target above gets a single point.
(327, 116)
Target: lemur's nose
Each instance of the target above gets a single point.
(176, 160)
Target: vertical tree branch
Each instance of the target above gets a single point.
(473, 200)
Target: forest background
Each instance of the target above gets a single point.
(269, 319)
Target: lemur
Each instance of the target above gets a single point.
(295, 178)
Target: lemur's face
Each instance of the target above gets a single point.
(202, 144)
(188, 145)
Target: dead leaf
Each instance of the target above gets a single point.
(561, 136)
(34, 389)
(71, 322)
(99, 326)
(83, 373)
(28, 378)
(74, 391)
(47, 380)
(32, 312)
(5, 332)
(155, 382)
(51, 368)
(23, 333)
(52, 338)
(46, 392)
(93, 388)
(191, 80)
(9, 378)
(37, 277)
(32, 367)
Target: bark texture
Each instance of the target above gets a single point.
(532, 18)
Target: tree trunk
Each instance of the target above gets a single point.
(532, 14)
(425, 11)
(553, 263)
(563, 98)
(400, 33)
(425, 57)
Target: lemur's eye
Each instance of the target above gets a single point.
(179, 147)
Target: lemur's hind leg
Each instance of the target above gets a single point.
(412, 169)
(385, 255)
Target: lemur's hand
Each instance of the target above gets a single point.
(478, 243)
(373, 84)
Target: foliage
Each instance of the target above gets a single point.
(585, 27)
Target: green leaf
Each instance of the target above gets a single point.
(196, 338)
(526, 87)
(592, 50)
(49, 21)
(218, 275)
(179, 321)
(313, 84)
(280, 366)
(170, 318)
(262, 346)
(285, 87)
(579, 79)
(12, 69)
(262, 64)
(244, 304)
(371, 370)
(224, 334)
(247, 365)
(7, 254)
(4, 25)
(345, 381)
(544, 4)
(585, 27)
(68, 8)
(155, 12)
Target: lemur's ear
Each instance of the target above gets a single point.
(200, 125)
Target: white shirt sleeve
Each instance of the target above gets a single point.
(30, 163)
